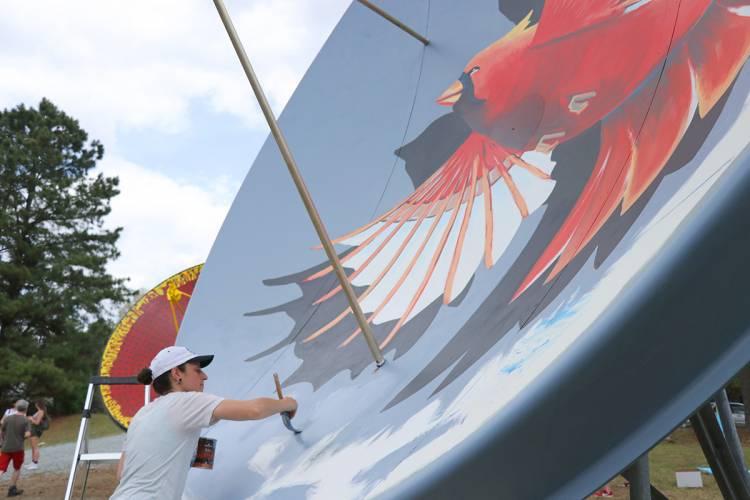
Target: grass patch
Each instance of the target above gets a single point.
(65, 429)
(679, 451)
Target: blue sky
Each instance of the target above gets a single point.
(159, 84)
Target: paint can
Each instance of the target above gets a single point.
(204, 454)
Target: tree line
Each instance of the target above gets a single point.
(56, 296)
(58, 304)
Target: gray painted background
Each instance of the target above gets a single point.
(364, 128)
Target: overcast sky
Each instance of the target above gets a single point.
(158, 83)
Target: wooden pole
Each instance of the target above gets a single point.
(393, 20)
(300, 183)
(278, 385)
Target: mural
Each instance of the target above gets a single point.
(496, 157)
(496, 231)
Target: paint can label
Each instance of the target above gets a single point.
(204, 454)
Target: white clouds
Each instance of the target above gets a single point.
(139, 64)
(142, 65)
(168, 225)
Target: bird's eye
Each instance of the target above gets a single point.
(473, 70)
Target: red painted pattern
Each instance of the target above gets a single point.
(146, 328)
(642, 69)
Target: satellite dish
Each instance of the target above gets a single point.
(537, 212)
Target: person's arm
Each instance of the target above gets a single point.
(36, 418)
(253, 409)
(120, 465)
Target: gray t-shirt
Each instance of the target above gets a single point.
(14, 429)
(161, 441)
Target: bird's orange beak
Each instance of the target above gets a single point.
(451, 94)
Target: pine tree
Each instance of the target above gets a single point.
(54, 287)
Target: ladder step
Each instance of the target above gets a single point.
(81, 443)
(91, 457)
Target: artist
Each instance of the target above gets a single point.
(163, 435)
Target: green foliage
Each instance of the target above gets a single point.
(54, 288)
(734, 389)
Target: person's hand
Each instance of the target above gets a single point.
(292, 404)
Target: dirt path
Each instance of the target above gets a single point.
(51, 479)
(58, 458)
(51, 485)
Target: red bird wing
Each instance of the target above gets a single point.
(562, 17)
(639, 137)
(432, 242)
(418, 250)
(719, 46)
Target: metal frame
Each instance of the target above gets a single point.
(637, 474)
(717, 451)
(721, 447)
(82, 443)
(300, 183)
(730, 433)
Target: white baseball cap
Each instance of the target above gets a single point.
(175, 355)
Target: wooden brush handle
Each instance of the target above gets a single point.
(278, 385)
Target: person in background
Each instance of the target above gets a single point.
(163, 436)
(39, 423)
(10, 411)
(16, 429)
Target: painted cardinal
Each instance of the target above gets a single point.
(640, 67)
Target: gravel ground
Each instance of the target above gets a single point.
(51, 485)
(50, 480)
(59, 458)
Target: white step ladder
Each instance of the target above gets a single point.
(82, 443)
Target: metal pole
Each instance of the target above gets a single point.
(638, 476)
(730, 432)
(630, 474)
(85, 480)
(300, 183)
(393, 20)
(79, 442)
(716, 450)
